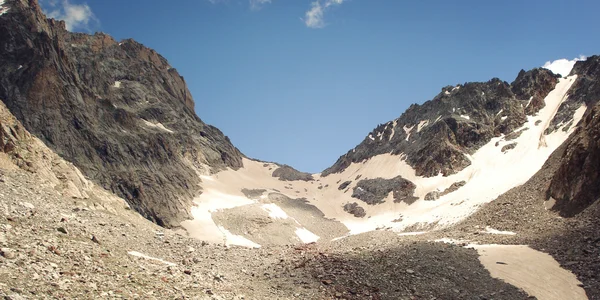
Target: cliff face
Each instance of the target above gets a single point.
(438, 135)
(576, 183)
(118, 111)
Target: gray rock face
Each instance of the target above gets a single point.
(344, 185)
(435, 195)
(374, 191)
(287, 173)
(576, 183)
(253, 193)
(118, 111)
(508, 147)
(355, 209)
(455, 186)
(535, 86)
(436, 135)
(585, 90)
(431, 196)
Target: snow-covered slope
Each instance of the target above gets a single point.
(491, 173)
(316, 206)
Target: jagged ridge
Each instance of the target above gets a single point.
(437, 135)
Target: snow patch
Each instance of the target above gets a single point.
(274, 211)
(138, 254)
(503, 118)
(206, 178)
(465, 117)
(535, 272)
(407, 130)
(528, 102)
(578, 115)
(306, 236)
(157, 125)
(371, 137)
(562, 66)
(491, 230)
(233, 239)
(393, 130)
(422, 124)
(215, 197)
(117, 84)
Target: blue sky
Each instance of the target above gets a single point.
(302, 82)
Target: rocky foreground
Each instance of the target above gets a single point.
(58, 247)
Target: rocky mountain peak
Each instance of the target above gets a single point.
(437, 136)
(117, 110)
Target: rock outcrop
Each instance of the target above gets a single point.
(355, 210)
(117, 110)
(437, 136)
(287, 173)
(374, 191)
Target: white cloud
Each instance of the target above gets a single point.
(254, 4)
(314, 17)
(257, 4)
(562, 66)
(76, 16)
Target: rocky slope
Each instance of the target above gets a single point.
(438, 135)
(117, 110)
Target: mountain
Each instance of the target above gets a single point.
(124, 117)
(117, 110)
(438, 135)
(91, 128)
(428, 170)
(445, 136)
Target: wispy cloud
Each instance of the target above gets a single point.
(76, 16)
(257, 4)
(562, 66)
(254, 4)
(314, 17)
